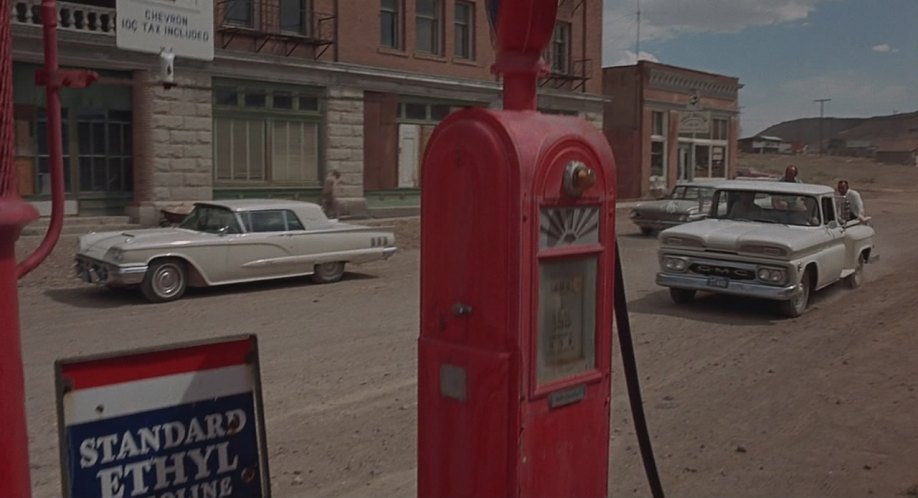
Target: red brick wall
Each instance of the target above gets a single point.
(380, 141)
(357, 39)
(625, 145)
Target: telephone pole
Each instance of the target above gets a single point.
(637, 49)
(822, 103)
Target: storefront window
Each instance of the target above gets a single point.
(702, 161)
(718, 162)
(255, 143)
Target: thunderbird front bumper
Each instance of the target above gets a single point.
(99, 272)
(733, 287)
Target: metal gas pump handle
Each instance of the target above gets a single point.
(631, 379)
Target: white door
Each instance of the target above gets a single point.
(408, 139)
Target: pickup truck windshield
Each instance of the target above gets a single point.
(766, 207)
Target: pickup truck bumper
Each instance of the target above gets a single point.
(734, 287)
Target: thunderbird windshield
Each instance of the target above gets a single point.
(211, 219)
(766, 207)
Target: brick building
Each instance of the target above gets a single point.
(668, 123)
(296, 87)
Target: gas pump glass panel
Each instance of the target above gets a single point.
(567, 317)
(569, 226)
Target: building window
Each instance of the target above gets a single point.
(702, 161)
(239, 149)
(266, 135)
(426, 112)
(238, 12)
(657, 158)
(657, 124)
(293, 16)
(720, 129)
(428, 24)
(294, 151)
(390, 25)
(718, 162)
(561, 48)
(104, 140)
(465, 30)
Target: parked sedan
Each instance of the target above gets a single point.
(689, 201)
(226, 242)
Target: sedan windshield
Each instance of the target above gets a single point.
(211, 219)
(766, 207)
(692, 193)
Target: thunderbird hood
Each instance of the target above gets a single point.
(729, 235)
(96, 244)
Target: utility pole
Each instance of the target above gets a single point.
(637, 50)
(822, 103)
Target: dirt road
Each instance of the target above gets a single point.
(739, 402)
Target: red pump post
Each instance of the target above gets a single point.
(14, 215)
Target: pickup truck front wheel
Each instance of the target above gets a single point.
(681, 296)
(855, 280)
(795, 306)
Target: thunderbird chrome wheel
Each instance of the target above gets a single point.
(326, 273)
(165, 281)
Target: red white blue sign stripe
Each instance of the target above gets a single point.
(183, 422)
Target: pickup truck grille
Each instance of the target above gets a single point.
(722, 271)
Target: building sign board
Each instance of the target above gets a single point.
(184, 27)
(177, 422)
(695, 122)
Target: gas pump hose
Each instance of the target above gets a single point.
(631, 379)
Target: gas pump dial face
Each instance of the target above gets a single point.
(567, 293)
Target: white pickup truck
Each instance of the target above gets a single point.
(770, 240)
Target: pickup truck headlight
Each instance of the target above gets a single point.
(772, 275)
(674, 264)
(115, 254)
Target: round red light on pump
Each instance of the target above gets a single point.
(578, 178)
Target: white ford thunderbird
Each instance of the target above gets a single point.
(225, 242)
(770, 240)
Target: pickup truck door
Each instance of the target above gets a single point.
(833, 256)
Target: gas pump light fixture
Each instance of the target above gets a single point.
(578, 178)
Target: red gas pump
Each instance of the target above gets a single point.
(517, 262)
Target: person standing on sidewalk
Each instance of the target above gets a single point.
(329, 194)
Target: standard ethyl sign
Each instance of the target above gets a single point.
(182, 422)
(186, 27)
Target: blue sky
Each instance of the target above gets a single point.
(862, 54)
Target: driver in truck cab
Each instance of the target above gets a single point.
(744, 206)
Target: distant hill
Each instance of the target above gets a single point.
(805, 131)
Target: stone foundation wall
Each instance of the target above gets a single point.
(173, 137)
(344, 146)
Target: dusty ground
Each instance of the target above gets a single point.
(739, 402)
